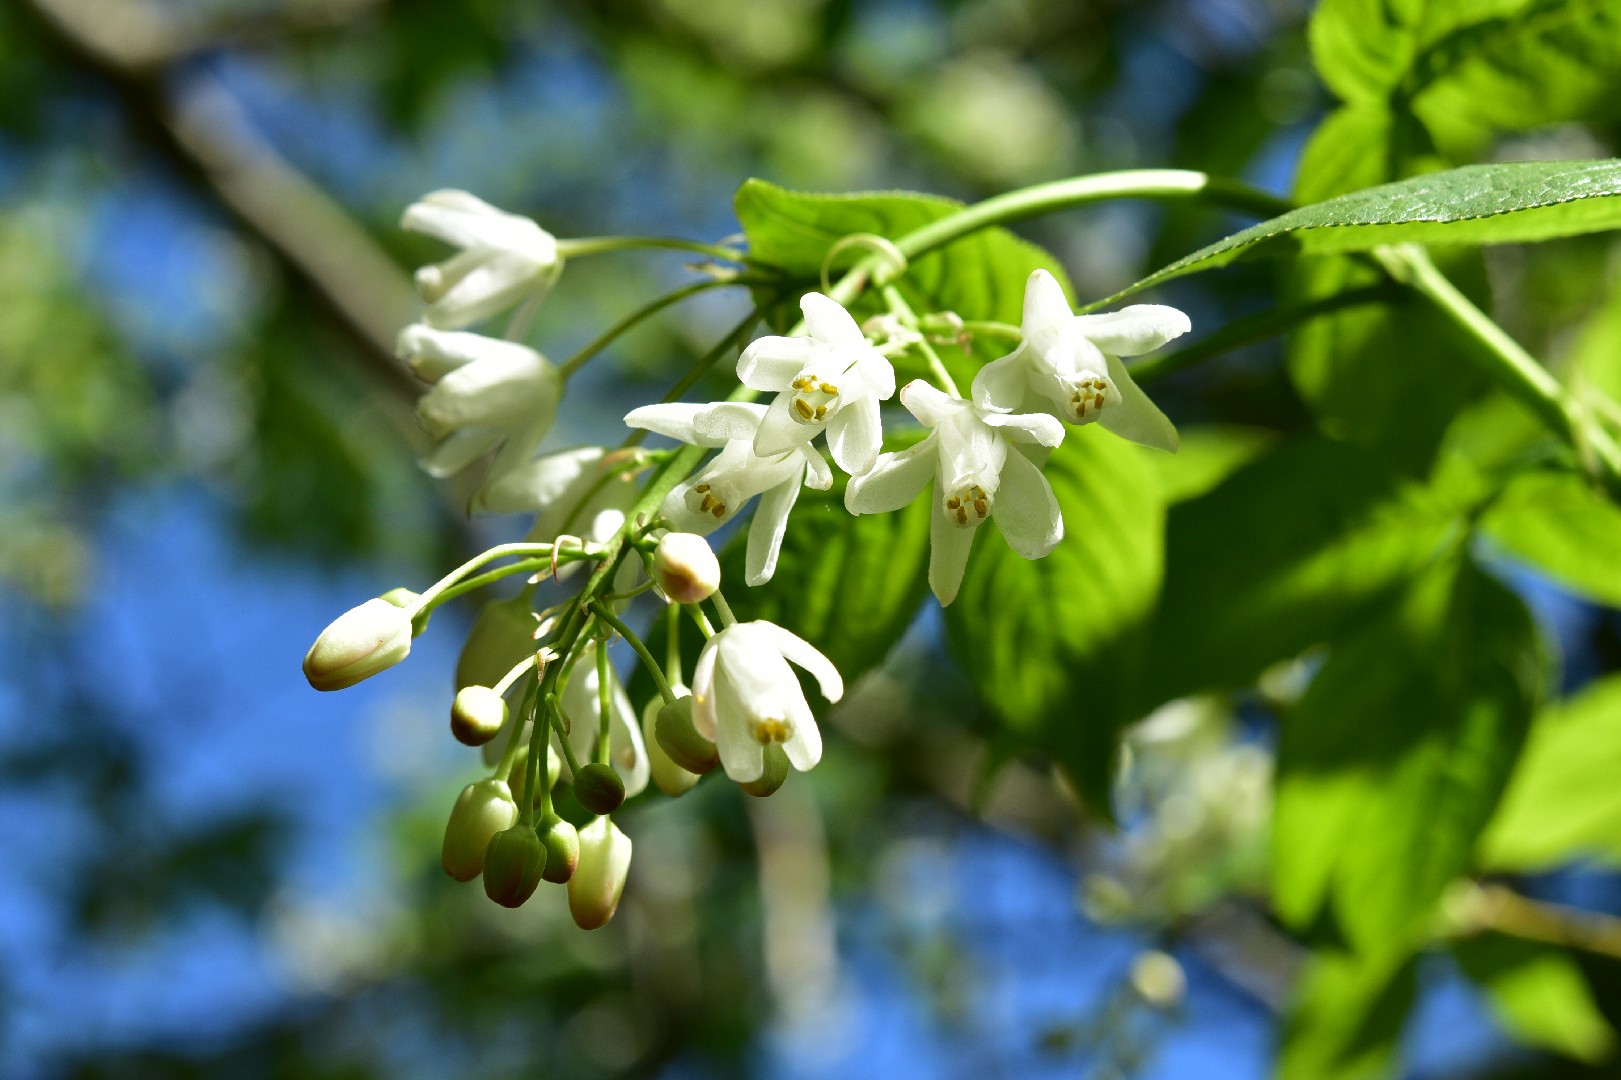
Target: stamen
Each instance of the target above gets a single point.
(1087, 399)
(969, 505)
(771, 730)
(815, 400)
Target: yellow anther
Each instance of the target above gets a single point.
(962, 516)
(719, 509)
(828, 388)
(709, 500)
(821, 412)
(953, 503)
(770, 731)
(981, 508)
(701, 488)
(804, 410)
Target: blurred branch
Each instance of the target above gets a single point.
(198, 125)
(1476, 908)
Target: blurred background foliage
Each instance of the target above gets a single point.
(206, 450)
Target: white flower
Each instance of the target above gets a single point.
(581, 492)
(583, 708)
(702, 503)
(745, 697)
(358, 644)
(975, 475)
(505, 258)
(1074, 362)
(829, 379)
(487, 393)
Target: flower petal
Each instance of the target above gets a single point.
(703, 690)
(1046, 312)
(799, 651)
(932, 407)
(542, 482)
(779, 432)
(855, 435)
(771, 363)
(1134, 330)
(828, 322)
(1026, 509)
(766, 531)
(460, 450)
(948, 555)
(498, 282)
(741, 755)
(677, 419)
(877, 374)
(1136, 417)
(817, 475)
(804, 743)
(1000, 384)
(893, 481)
(724, 421)
(1027, 427)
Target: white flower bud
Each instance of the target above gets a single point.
(361, 642)
(599, 878)
(671, 778)
(476, 715)
(1158, 979)
(482, 810)
(685, 567)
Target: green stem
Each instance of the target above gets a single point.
(604, 703)
(554, 721)
(577, 246)
(723, 609)
(607, 337)
(500, 551)
(703, 364)
(602, 612)
(1516, 370)
(510, 752)
(903, 311)
(489, 577)
(672, 643)
(1080, 190)
(1252, 328)
(702, 620)
(517, 672)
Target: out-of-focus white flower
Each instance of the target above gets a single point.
(358, 644)
(582, 492)
(504, 258)
(746, 697)
(486, 393)
(702, 503)
(831, 378)
(582, 705)
(966, 455)
(1073, 362)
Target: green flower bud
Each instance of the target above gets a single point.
(476, 715)
(599, 788)
(776, 771)
(685, 567)
(679, 739)
(513, 864)
(520, 762)
(400, 597)
(671, 778)
(599, 879)
(361, 642)
(482, 810)
(562, 842)
(503, 634)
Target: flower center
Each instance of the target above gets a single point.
(711, 499)
(815, 399)
(770, 729)
(968, 505)
(1088, 395)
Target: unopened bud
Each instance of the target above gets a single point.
(477, 715)
(361, 642)
(1158, 979)
(400, 597)
(685, 567)
(680, 740)
(482, 810)
(599, 879)
(776, 771)
(599, 788)
(513, 865)
(520, 763)
(671, 778)
(562, 842)
(502, 636)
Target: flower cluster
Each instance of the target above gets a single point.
(538, 689)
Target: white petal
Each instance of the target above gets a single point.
(804, 743)
(771, 363)
(677, 419)
(503, 388)
(741, 755)
(779, 432)
(827, 321)
(494, 285)
(1027, 427)
(629, 753)
(766, 531)
(520, 442)
(467, 221)
(703, 690)
(948, 555)
(1026, 510)
(682, 517)
(567, 475)
(1135, 417)
(1134, 330)
(1000, 384)
(460, 450)
(877, 374)
(727, 420)
(1046, 312)
(799, 651)
(432, 354)
(932, 407)
(817, 475)
(855, 435)
(894, 480)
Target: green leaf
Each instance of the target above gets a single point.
(1346, 1017)
(1558, 523)
(1539, 993)
(1563, 801)
(1208, 454)
(1279, 557)
(1053, 645)
(1394, 760)
(1477, 204)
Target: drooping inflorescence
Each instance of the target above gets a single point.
(537, 690)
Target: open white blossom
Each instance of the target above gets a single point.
(829, 379)
(702, 503)
(504, 258)
(975, 475)
(1073, 361)
(746, 697)
(583, 708)
(486, 393)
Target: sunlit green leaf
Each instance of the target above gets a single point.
(1347, 1016)
(1557, 522)
(1539, 993)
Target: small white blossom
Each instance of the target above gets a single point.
(504, 258)
(975, 475)
(486, 394)
(583, 708)
(582, 492)
(745, 697)
(1073, 361)
(831, 378)
(702, 503)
